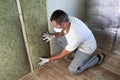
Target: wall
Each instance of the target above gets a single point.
(117, 43)
(13, 57)
(102, 17)
(35, 19)
(72, 7)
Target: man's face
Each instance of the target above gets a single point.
(56, 25)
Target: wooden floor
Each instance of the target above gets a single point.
(58, 70)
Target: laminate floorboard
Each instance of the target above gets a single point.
(58, 70)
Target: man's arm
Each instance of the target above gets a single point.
(60, 55)
(58, 34)
(47, 36)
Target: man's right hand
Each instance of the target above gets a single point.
(43, 61)
(47, 37)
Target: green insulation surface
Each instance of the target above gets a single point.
(13, 57)
(35, 18)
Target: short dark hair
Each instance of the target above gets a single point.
(59, 16)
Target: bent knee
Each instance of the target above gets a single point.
(72, 70)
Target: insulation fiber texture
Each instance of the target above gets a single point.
(13, 57)
(35, 19)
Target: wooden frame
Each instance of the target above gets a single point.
(24, 33)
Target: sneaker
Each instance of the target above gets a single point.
(101, 58)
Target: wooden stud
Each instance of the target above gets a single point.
(24, 33)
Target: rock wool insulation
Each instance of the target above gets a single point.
(13, 57)
(14, 62)
(35, 19)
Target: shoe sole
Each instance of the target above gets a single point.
(101, 58)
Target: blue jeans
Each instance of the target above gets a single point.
(81, 60)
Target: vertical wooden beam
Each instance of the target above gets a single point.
(24, 33)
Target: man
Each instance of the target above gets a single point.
(75, 37)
